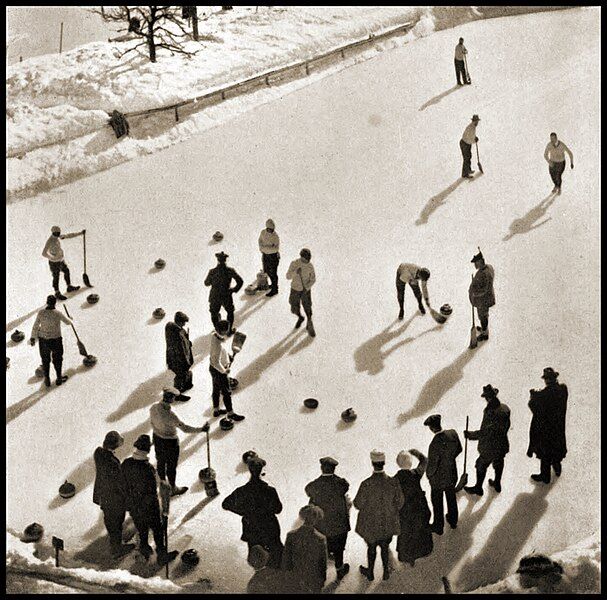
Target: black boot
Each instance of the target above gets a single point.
(60, 296)
(300, 320)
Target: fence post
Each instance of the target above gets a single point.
(61, 39)
(267, 80)
(307, 69)
(342, 54)
(223, 95)
(176, 114)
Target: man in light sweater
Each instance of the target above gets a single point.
(460, 67)
(166, 442)
(54, 253)
(408, 273)
(47, 330)
(465, 144)
(555, 157)
(219, 367)
(269, 246)
(302, 276)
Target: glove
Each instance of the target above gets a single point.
(32, 341)
(83, 231)
(205, 427)
(476, 139)
(467, 434)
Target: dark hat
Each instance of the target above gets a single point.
(550, 373)
(170, 393)
(478, 256)
(305, 253)
(476, 118)
(424, 274)
(328, 460)
(32, 533)
(433, 421)
(51, 300)
(489, 391)
(112, 440)
(143, 442)
(221, 255)
(190, 557)
(256, 463)
(181, 317)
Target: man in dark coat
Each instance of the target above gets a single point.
(179, 352)
(441, 472)
(492, 441)
(258, 504)
(329, 492)
(482, 294)
(109, 493)
(547, 433)
(220, 279)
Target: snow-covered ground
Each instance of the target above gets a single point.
(362, 167)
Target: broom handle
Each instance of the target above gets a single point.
(208, 451)
(73, 328)
(84, 244)
(466, 447)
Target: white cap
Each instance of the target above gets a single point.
(403, 460)
(377, 456)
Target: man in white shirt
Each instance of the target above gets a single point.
(54, 253)
(460, 67)
(269, 246)
(302, 276)
(408, 273)
(555, 157)
(47, 330)
(465, 144)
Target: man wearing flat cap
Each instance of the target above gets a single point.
(329, 492)
(441, 472)
(465, 144)
(547, 432)
(492, 439)
(481, 293)
(378, 500)
(258, 504)
(302, 275)
(109, 493)
(408, 273)
(220, 280)
(269, 246)
(179, 355)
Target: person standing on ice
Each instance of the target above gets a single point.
(47, 330)
(269, 246)
(492, 439)
(460, 66)
(481, 293)
(465, 144)
(54, 253)
(408, 273)
(179, 355)
(547, 432)
(555, 157)
(220, 280)
(302, 275)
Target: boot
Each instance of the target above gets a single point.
(474, 489)
(61, 379)
(310, 328)
(422, 309)
(366, 572)
(271, 293)
(343, 571)
(177, 491)
(166, 557)
(122, 550)
(401, 314)
(60, 296)
(73, 288)
(146, 551)
(300, 320)
(484, 335)
(386, 574)
(218, 412)
(557, 469)
(47, 381)
(539, 478)
(235, 417)
(496, 485)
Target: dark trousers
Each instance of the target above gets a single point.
(183, 379)
(216, 305)
(336, 546)
(384, 549)
(400, 293)
(482, 464)
(299, 299)
(167, 456)
(113, 519)
(147, 518)
(51, 350)
(221, 387)
(460, 69)
(438, 509)
(270, 268)
(556, 171)
(467, 157)
(545, 464)
(56, 268)
(483, 315)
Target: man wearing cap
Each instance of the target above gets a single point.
(554, 155)
(465, 144)
(54, 253)
(378, 500)
(258, 504)
(179, 355)
(492, 439)
(481, 293)
(269, 246)
(305, 553)
(460, 67)
(109, 493)
(547, 432)
(441, 472)
(166, 441)
(47, 330)
(408, 273)
(141, 483)
(330, 493)
(220, 279)
(302, 275)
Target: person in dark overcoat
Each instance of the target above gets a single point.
(258, 504)
(109, 493)
(441, 472)
(547, 432)
(179, 351)
(492, 439)
(415, 538)
(220, 280)
(482, 294)
(329, 492)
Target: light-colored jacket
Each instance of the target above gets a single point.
(407, 273)
(557, 153)
(469, 135)
(165, 422)
(269, 243)
(53, 250)
(48, 324)
(460, 50)
(308, 276)
(220, 357)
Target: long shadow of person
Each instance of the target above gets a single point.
(529, 221)
(439, 97)
(16, 322)
(437, 201)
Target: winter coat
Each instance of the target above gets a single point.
(493, 435)
(329, 493)
(220, 279)
(547, 432)
(305, 556)
(444, 448)
(139, 478)
(109, 491)
(481, 292)
(179, 348)
(379, 500)
(258, 504)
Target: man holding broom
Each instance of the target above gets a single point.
(481, 293)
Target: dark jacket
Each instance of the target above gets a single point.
(493, 435)
(442, 452)
(108, 491)
(220, 279)
(139, 478)
(547, 432)
(329, 493)
(179, 348)
(305, 556)
(258, 504)
(481, 292)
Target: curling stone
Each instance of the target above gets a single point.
(17, 336)
(250, 290)
(248, 455)
(32, 533)
(311, 403)
(218, 236)
(39, 371)
(160, 264)
(67, 489)
(226, 424)
(92, 298)
(446, 310)
(190, 557)
(233, 382)
(158, 313)
(89, 360)
(349, 415)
